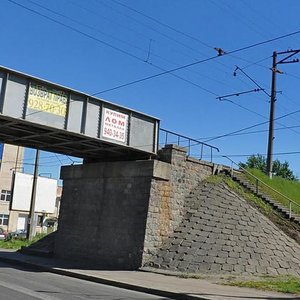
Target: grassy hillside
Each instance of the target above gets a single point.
(289, 188)
(290, 228)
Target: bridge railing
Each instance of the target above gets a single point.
(194, 147)
(258, 181)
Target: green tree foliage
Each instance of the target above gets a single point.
(279, 169)
(255, 162)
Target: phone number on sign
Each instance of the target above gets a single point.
(114, 134)
(42, 105)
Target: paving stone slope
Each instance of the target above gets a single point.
(222, 233)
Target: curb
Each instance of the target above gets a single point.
(127, 286)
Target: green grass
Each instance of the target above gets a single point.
(284, 284)
(18, 243)
(289, 188)
(242, 192)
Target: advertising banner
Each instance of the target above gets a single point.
(45, 193)
(115, 125)
(42, 98)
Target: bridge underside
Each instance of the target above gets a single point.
(27, 134)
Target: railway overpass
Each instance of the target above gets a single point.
(126, 198)
(40, 114)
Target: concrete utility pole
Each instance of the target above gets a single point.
(272, 117)
(31, 220)
(273, 101)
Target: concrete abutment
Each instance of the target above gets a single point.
(117, 214)
(160, 213)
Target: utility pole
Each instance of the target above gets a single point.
(31, 220)
(273, 101)
(272, 117)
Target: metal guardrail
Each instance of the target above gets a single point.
(290, 201)
(189, 142)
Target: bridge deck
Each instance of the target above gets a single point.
(39, 114)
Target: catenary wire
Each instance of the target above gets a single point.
(125, 52)
(181, 32)
(155, 30)
(111, 46)
(252, 126)
(164, 24)
(197, 62)
(263, 154)
(258, 85)
(188, 81)
(237, 15)
(122, 41)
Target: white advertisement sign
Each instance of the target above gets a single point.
(45, 193)
(115, 125)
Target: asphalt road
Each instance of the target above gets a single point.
(19, 283)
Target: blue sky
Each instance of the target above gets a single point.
(96, 45)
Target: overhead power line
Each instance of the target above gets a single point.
(262, 154)
(238, 131)
(177, 31)
(182, 33)
(163, 24)
(255, 132)
(252, 126)
(116, 48)
(73, 28)
(155, 30)
(259, 86)
(164, 72)
(88, 26)
(106, 44)
(250, 63)
(197, 62)
(185, 45)
(222, 98)
(52, 158)
(237, 68)
(147, 60)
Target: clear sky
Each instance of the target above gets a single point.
(96, 45)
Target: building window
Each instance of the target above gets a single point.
(40, 221)
(3, 219)
(5, 195)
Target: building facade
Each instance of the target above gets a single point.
(12, 161)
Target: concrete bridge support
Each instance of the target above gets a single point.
(117, 214)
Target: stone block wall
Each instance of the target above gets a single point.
(103, 213)
(159, 213)
(117, 214)
(214, 239)
(167, 197)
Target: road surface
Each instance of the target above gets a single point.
(19, 283)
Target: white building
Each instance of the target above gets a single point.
(14, 212)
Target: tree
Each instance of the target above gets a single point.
(255, 162)
(279, 169)
(283, 170)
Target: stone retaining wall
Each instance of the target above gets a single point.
(125, 215)
(222, 234)
(117, 214)
(167, 197)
